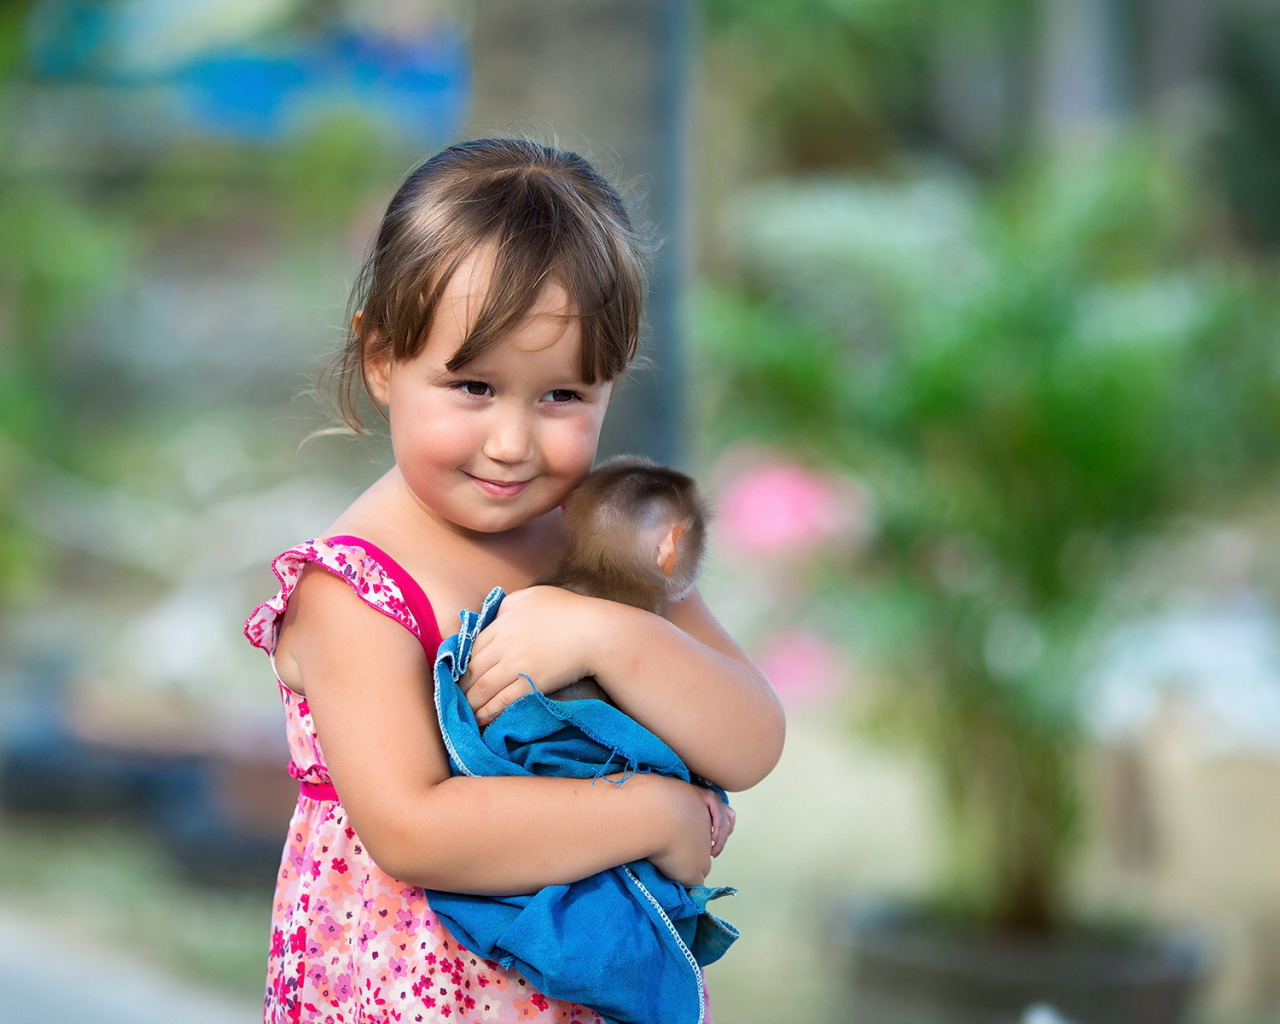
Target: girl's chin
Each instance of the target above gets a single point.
(497, 522)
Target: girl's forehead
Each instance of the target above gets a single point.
(532, 321)
(547, 319)
(546, 341)
(471, 284)
(539, 344)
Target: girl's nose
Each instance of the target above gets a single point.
(510, 438)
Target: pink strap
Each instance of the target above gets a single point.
(423, 613)
(414, 596)
(318, 790)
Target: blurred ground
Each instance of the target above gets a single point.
(51, 977)
(94, 926)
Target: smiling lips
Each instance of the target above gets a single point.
(500, 488)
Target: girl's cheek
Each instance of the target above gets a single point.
(583, 445)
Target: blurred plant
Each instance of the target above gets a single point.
(774, 519)
(773, 506)
(90, 224)
(803, 665)
(58, 255)
(1027, 381)
(841, 82)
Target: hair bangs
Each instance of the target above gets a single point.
(548, 216)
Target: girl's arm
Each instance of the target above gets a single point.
(681, 676)
(369, 688)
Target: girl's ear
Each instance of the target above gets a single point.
(377, 367)
(377, 371)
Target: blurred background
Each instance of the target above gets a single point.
(966, 315)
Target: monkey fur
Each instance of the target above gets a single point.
(636, 534)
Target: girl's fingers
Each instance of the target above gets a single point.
(478, 665)
(723, 830)
(486, 677)
(723, 818)
(490, 707)
(489, 689)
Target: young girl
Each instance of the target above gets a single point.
(500, 303)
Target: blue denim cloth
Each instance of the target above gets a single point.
(628, 942)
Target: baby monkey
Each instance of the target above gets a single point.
(636, 533)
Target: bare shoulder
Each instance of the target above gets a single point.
(368, 687)
(326, 622)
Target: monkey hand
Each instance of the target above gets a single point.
(541, 634)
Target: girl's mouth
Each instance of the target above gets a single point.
(500, 488)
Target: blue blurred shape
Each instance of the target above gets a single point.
(267, 88)
(418, 87)
(47, 768)
(242, 94)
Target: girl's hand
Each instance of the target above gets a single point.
(543, 633)
(686, 854)
(717, 712)
(723, 818)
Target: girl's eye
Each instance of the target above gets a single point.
(473, 387)
(562, 395)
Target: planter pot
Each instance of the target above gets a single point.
(909, 970)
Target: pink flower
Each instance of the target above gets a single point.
(774, 506)
(802, 665)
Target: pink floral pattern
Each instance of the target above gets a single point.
(349, 943)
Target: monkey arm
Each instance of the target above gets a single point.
(681, 676)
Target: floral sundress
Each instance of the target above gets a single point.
(349, 943)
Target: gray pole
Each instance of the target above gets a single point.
(1084, 82)
(607, 78)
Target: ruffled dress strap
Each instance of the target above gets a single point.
(376, 577)
(381, 583)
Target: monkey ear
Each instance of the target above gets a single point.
(669, 549)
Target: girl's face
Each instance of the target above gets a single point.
(503, 440)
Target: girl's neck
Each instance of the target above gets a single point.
(389, 505)
(456, 564)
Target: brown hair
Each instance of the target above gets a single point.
(548, 213)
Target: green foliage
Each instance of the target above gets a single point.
(59, 257)
(838, 82)
(1028, 382)
(84, 221)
